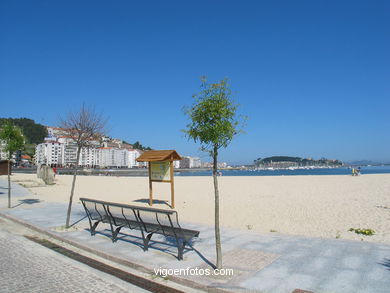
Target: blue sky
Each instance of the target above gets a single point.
(313, 76)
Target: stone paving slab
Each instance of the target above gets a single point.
(29, 267)
(289, 262)
(16, 189)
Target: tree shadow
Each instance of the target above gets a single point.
(203, 257)
(29, 201)
(78, 221)
(386, 263)
(157, 201)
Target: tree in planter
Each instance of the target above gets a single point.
(13, 138)
(83, 128)
(213, 123)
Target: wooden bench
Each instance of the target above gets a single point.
(147, 220)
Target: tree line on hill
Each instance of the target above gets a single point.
(34, 133)
(296, 160)
(137, 145)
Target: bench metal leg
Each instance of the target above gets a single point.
(115, 233)
(93, 227)
(180, 248)
(146, 241)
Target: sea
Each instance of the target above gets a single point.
(288, 172)
(194, 172)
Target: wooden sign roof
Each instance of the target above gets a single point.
(159, 156)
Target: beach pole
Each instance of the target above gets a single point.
(172, 186)
(150, 185)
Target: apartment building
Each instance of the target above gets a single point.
(133, 154)
(111, 157)
(190, 162)
(3, 153)
(108, 153)
(49, 153)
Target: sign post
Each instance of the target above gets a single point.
(160, 165)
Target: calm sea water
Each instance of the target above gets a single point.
(319, 171)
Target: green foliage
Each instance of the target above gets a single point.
(281, 159)
(367, 232)
(298, 160)
(137, 145)
(29, 149)
(33, 132)
(13, 138)
(213, 119)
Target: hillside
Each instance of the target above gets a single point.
(275, 160)
(33, 132)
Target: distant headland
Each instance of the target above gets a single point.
(287, 162)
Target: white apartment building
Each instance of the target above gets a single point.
(49, 153)
(176, 164)
(132, 158)
(190, 162)
(195, 162)
(111, 157)
(3, 153)
(88, 157)
(61, 150)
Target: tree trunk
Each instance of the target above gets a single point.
(216, 192)
(9, 184)
(72, 190)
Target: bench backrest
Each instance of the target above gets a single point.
(96, 210)
(134, 215)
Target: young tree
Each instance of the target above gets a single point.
(83, 128)
(213, 123)
(14, 140)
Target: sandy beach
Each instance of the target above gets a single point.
(315, 206)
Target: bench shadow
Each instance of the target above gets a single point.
(386, 263)
(167, 246)
(29, 201)
(157, 201)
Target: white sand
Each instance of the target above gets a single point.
(320, 206)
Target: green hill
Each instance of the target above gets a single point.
(295, 160)
(33, 132)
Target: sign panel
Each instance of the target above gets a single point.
(4, 167)
(160, 171)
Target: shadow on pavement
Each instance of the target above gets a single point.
(157, 201)
(165, 247)
(386, 263)
(78, 221)
(29, 201)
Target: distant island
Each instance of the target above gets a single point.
(287, 162)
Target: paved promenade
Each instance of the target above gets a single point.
(262, 263)
(29, 267)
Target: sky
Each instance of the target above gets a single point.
(313, 77)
